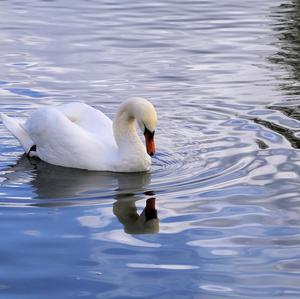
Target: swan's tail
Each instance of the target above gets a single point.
(18, 131)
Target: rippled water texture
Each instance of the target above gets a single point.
(225, 79)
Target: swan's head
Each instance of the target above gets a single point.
(147, 121)
(144, 113)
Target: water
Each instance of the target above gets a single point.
(224, 77)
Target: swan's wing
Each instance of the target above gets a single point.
(62, 142)
(90, 119)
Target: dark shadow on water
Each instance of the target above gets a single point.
(61, 187)
(286, 31)
(288, 134)
(286, 26)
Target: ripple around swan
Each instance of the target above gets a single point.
(208, 166)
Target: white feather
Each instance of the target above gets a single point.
(18, 131)
(79, 136)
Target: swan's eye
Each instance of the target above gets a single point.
(148, 133)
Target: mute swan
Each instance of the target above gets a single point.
(79, 136)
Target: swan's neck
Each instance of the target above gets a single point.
(126, 135)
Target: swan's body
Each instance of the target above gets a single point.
(79, 136)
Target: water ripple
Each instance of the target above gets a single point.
(223, 192)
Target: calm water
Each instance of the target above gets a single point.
(225, 79)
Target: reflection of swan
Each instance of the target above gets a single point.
(146, 222)
(49, 181)
(79, 136)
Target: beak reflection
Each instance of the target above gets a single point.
(145, 223)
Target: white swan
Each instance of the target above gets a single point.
(79, 136)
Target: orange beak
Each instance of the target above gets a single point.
(150, 144)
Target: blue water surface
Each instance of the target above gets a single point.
(224, 77)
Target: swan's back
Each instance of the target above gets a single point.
(88, 118)
(74, 135)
